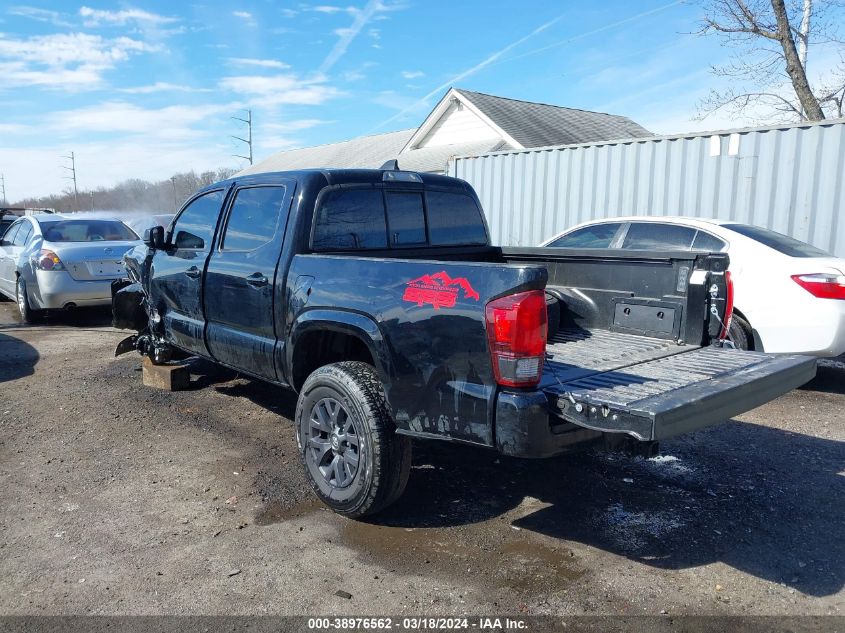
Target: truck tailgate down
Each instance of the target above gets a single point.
(655, 389)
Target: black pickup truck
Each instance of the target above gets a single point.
(376, 295)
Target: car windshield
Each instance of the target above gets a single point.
(781, 243)
(86, 231)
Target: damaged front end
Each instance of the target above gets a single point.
(131, 309)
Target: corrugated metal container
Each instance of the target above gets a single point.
(786, 178)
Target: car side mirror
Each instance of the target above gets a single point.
(154, 237)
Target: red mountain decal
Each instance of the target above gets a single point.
(439, 289)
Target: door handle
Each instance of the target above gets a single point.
(193, 272)
(257, 280)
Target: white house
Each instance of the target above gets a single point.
(463, 122)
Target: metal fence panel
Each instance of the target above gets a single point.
(786, 178)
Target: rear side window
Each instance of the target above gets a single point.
(781, 243)
(350, 219)
(708, 243)
(454, 218)
(654, 236)
(23, 234)
(594, 236)
(194, 228)
(406, 218)
(253, 218)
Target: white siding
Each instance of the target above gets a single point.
(457, 125)
(786, 178)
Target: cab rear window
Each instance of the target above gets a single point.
(375, 218)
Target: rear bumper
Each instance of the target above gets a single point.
(57, 289)
(543, 424)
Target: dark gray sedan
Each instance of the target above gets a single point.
(50, 262)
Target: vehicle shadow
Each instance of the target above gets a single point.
(762, 500)
(830, 377)
(18, 358)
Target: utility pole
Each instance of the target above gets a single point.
(175, 199)
(3, 188)
(72, 170)
(248, 139)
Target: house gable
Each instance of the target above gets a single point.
(456, 120)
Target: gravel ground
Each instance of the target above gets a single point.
(120, 499)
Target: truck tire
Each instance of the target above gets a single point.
(355, 461)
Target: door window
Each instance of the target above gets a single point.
(655, 236)
(23, 234)
(253, 219)
(194, 228)
(405, 218)
(593, 236)
(350, 219)
(9, 235)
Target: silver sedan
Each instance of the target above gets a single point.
(50, 262)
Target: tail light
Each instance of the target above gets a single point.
(729, 305)
(47, 260)
(516, 332)
(822, 285)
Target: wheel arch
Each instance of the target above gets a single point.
(321, 337)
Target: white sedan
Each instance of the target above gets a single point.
(789, 296)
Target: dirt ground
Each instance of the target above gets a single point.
(121, 499)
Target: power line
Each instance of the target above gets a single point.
(72, 170)
(248, 139)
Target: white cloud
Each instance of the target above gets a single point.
(279, 89)
(288, 13)
(121, 117)
(361, 17)
(97, 17)
(491, 58)
(412, 74)
(262, 63)
(162, 86)
(246, 16)
(72, 61)
(330, 9)
(41, 15)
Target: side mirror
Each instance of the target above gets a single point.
(154, 237)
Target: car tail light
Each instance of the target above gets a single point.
(822, 285)
(729, 305)
(47, 260)
(516, 332)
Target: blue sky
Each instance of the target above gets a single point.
(146, 89)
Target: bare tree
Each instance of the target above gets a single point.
(135, 195)
(768, 72)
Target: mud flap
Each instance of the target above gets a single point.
(126, 345)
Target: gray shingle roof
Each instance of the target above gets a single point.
(365, 151)
(370, 152)
(538, 124)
